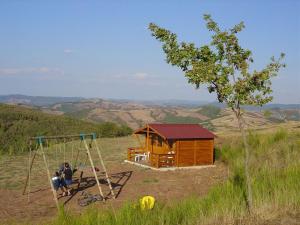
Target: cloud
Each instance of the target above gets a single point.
(135, 76)
(30, 70)
(140, 76)
(68, 51)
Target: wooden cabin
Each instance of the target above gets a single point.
(173, 145)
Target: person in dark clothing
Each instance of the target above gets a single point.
(61, 168)
(67, 174)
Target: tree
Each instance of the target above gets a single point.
(223, 66)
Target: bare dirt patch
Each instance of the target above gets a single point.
(130, 183)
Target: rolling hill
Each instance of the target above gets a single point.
(137, 113)
(17, 124)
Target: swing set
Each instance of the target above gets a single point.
(42, 143)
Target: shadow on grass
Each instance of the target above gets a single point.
(118, 181)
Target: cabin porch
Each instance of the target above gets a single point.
(142, 156)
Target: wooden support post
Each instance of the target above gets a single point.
(48, 174)
(29, 170)
(104, 168)
(147, 138)
(93, 168)
(146, 141)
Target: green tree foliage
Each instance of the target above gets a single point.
(223, 66)
(17, 124)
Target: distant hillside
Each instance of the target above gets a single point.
(134, 114)
(163, 102)
(130, 113)
(17, 124)
(49, 100)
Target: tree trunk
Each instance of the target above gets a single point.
(246, 164)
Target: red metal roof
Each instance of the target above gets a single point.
(182, 131)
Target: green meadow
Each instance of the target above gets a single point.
(275, 172)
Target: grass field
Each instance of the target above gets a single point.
(275, 171)
(14, 167)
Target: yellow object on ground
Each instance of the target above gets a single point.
(147, 202)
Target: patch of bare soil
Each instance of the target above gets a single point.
(130, 183)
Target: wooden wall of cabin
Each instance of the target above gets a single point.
(158, 145)
(194, 152)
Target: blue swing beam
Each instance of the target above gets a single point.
(82, 136)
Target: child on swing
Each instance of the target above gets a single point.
(66, 179)
(57, 183)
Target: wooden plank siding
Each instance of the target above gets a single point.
(204, 152)
(185, 152)
(194, 152)
(176, 145)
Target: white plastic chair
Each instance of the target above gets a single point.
(138, 157)
(145, 156)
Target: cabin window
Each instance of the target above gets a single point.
(159, 141)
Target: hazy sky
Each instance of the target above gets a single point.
(104, 49)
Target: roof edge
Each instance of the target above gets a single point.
(145, 127)
(150, 125)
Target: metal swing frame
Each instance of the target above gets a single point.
(40, 150)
